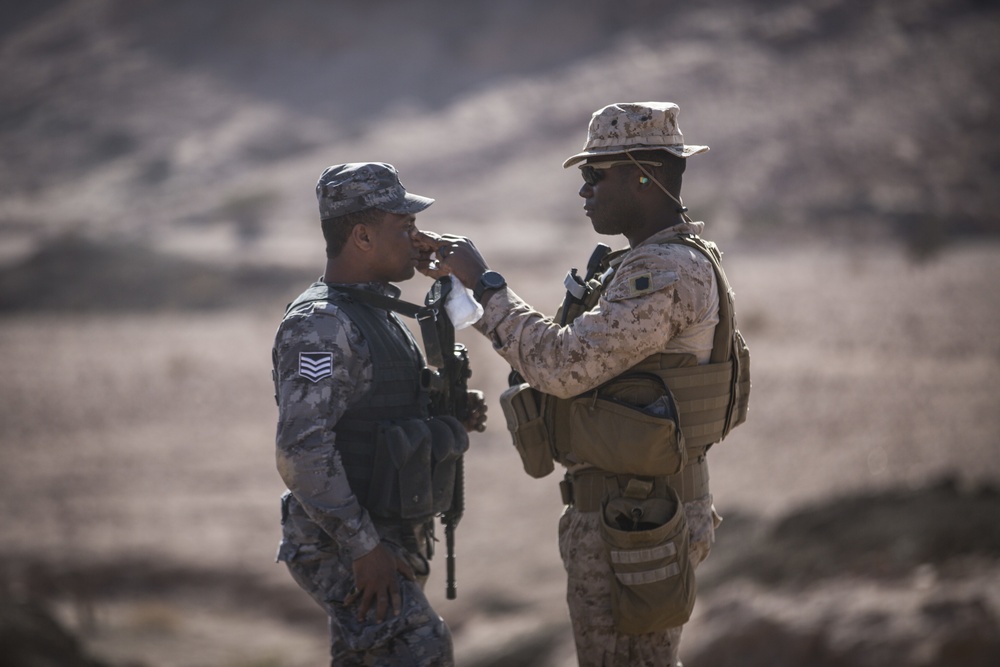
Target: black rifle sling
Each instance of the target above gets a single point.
(426, 316)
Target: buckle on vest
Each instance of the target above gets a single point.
(638, 488)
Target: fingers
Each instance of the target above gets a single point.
(381, 599)
(377, 578)
(476, 420)
(433, 269)
(404, 569)
(366, 603)
(428, 240)
(434, 250)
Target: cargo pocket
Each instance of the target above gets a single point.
(609, 430)
(521, 408)
(646, 544)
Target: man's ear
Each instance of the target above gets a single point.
(361, 236)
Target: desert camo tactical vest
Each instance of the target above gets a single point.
(711, 398)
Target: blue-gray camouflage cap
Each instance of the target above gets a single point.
(356, 186)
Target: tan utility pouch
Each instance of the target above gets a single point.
(623, 428)
(521, 407)
(646, 543)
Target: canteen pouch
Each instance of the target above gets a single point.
(629, 426)
(646, 544)
(521, 407)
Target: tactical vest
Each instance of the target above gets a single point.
(400, 462)
(711, 399)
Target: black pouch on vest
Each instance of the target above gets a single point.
(401, 475)
(646, 543)
(449, 440)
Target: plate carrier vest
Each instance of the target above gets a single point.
(711, 398)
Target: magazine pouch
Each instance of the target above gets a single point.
(401, 477)
(521, 407)
(449, 441)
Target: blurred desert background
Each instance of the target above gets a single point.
(157, 165)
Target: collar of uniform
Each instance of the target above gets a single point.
(695, 228)
(386, 289)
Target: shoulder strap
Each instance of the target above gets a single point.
(433, 329)
(722, 343)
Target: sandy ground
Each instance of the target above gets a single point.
(138, 491)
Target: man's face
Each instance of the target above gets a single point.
(610, 200)
(395, 254)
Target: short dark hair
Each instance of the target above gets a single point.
(673, 166)
(337, 230)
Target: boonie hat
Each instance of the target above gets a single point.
(356, 186)
(628, 126)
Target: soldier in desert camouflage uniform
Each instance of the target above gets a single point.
(658, 301)
(347, 377)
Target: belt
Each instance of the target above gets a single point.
(587, 489)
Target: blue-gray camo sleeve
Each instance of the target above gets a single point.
(322, 362)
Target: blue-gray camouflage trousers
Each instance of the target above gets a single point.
(418, 637)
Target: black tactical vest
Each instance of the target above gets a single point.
(396, 393)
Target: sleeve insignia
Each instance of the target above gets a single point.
(315, 366)
(640, 284)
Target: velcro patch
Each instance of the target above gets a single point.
(315, 366)
(640, 284)
(629, 287)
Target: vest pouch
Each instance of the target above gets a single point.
(646, 544)
(449, 440)
(624, 429)
(521, 408)
(401, 476)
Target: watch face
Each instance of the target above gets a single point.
(488, 281)
(493, 280)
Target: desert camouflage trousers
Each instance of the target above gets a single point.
(588, 591)
(418, 637)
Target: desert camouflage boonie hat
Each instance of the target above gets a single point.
(356, 186)
(628, 126)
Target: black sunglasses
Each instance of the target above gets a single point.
(594, 171)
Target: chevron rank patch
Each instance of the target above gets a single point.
(315, 366)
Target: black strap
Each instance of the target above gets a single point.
(426, 316)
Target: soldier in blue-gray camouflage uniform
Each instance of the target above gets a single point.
(356, 447)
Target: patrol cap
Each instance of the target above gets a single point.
(628, 126)
(356, 186)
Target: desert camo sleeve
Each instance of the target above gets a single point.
(657, 295)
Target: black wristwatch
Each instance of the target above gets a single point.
(487, 281)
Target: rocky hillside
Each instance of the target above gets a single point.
(200, 127)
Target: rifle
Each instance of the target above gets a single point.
(450, 396)
(576, 288)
